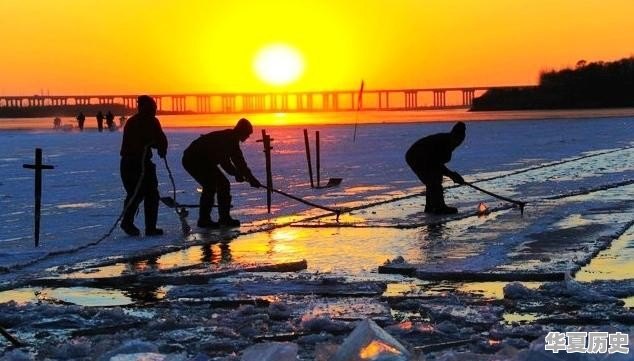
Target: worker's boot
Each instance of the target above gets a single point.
(436, 201)
(129, 228)
(204, 212)
(127, 223)
(224, 218)
(429, 207)
(150, 207)
(444, 208)
(433, 198)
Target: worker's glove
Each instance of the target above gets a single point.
(162, 153)
(255, 183)
(239, 178)
(457, 178)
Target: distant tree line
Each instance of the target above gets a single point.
(588, 85)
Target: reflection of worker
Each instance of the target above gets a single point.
(427, 158)
(138, 173)
(201, 160)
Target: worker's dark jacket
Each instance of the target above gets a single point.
(141, 130)
(429, 154)
(138, 174)
(219, 148)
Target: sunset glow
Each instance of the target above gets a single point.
(278, 64)
(121, 47)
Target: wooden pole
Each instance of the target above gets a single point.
(317, 156)
(310, 166)
(266, 141)
(38, 166)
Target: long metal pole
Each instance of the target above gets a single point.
(519, 203)
(317, 157)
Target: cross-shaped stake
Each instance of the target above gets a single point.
(38, 166)
(266, 142)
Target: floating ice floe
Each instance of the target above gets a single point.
(368, 341)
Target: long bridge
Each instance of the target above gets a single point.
(271, 102)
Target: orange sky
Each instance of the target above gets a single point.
(175, 46)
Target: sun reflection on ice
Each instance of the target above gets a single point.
(375, 349)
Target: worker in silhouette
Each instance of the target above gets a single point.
(99, 117)
(81, 118)
(138, 174)
(201, 160)
(427, 158)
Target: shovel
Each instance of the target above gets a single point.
(332, 182)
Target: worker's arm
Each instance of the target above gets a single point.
(159, 139)
(242, 170)
(454, 176)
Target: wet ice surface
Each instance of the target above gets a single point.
(579, 202)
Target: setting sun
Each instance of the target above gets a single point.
(278, 64)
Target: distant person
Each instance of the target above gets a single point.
(99, 117)
(427, 158)
(81, 118)
(110, 121)
(122, 121)
(141, 133)
(57, 123)
(201, 160)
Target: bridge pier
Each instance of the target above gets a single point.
(330, 101)
(260, 102)
(228, 104)
(387, 100)
(309, 102)
(467, 97)
(81, 100)
(273, 101)
(179, 104)
(411, 99)
(299, 102)
(440, 100)
(129, 102)
(248, 103)
(203, 104)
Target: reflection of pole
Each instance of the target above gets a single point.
(266, 141)
(310, 166)
(38, 166)
(317, 156)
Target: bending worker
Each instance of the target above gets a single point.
(138, 174)
(201, 160)
(427, 158)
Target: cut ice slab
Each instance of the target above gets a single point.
(368, 341)
(272, 351)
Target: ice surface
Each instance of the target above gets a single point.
(83, 195)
